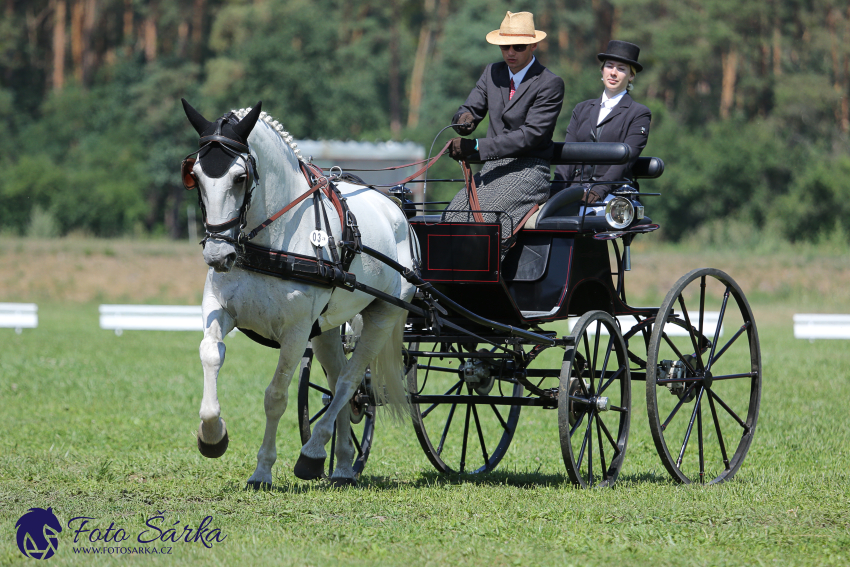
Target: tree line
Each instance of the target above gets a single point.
(750, 100)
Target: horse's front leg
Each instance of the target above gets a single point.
(212, 432)
(275, 402)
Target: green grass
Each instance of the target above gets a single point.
(104, 426)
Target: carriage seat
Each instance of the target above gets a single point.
(561, 211)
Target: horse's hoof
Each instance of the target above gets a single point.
(256, 485)
(308, 468)
(215, 450)
(343, 482)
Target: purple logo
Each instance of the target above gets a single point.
(38, 533)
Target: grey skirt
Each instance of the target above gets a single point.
(510, 185)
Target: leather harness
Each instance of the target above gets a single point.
(315, 270)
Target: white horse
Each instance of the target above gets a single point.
(285, 311)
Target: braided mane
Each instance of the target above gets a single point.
(275, 125)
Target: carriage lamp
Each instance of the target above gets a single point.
(619, 212)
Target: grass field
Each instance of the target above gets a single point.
(104, 427)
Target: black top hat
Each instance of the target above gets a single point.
(622, 51)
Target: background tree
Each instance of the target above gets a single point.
(751, 101)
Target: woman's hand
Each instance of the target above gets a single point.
(591, 197)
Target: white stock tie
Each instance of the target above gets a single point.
(604, 110)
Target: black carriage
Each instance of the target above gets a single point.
(481, 341)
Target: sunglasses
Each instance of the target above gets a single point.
(517, 48)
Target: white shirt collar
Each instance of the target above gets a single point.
(518, 77)
(614, 101)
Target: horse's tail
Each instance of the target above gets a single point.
(388, 380)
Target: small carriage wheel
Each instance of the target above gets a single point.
(467, 437)
(311, 394)
(699, 374)
(594, 401)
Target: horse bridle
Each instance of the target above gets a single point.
(239, 151)
(313, 174)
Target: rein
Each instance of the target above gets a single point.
(283, 264)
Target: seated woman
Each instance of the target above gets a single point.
(614, 117)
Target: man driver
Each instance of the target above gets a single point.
(523, 99)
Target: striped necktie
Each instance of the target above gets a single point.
(513, 90)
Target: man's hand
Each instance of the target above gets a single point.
(591, 197)
(461, 148)
(465, 124)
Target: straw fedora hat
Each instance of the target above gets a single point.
(516, 29)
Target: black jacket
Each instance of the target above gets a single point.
(627, 122)
(522, 125)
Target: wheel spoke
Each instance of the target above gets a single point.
(605, 362)
(690, 428)
(601, 450)
(679, 354)
(729, 410)
(320, 389)
(717, 428)
(702, 305)
(319, 414)
(595, 355)
(611, 380)
(480, 436)
(577, 424)
(699, 440)
(697, 351)
(610, 438)
(678, 406)
(734, 376)
(584, 440)
(446, 369)
(465, 438)
(586, 362)
(734, 338)
(717, 329)
(446, 429)
(449, 391)
(499, 416)
(590, 449)
(356, 442)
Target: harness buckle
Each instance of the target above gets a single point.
(350, 219)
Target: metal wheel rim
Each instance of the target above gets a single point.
(466, 417)
(657, 428)
(595, 425)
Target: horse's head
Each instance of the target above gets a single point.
(224, 174)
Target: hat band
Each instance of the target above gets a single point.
(518, 34)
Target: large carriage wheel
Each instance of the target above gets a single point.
(313, 401)
(594, 401)
(703, 379)
(457, 436)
